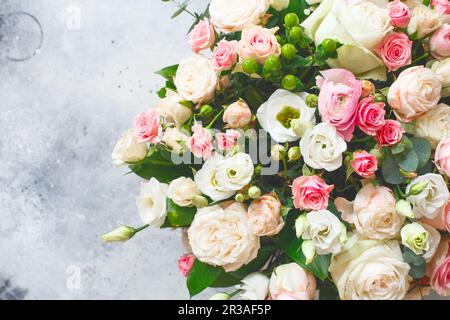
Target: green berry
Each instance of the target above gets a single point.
(312, 100)
(272, 64)
(288, 51)
(250, 66)
(296, 33)
(291, 20)
(379, 97)
(329, 45)
(289, 82)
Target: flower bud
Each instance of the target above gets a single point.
(122, 233)
(296, 33)
(199, 201)
(205, 110)
(220, 296)
(254, 192)
(417, 188)
(343, 235)
(415, 237)
(408, 174)
(279, 5)
(291, 20)
(403, 208)
(367, 88)
(300, 225)
(277, 152)
(288, 51)
(294, 154)
(379, 97)
(250, 66)
(329, 45)
(300, 126)
(309, 251)
(239, 197)
(312, 100)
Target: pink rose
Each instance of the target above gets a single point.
(441, 6)
(200, 143)
(226, 141)
(439, 268)
(442, 220)
(147, 127)
(440, 42)
(258, 43)
(395, 50)
(311, 193)
(338, 100)
(391, 133)
(399, 14)
(370, 115)
(442, 156)
(364, 164)
(264, 216)
(185, 264)
(202, 36)
(237, 115)
(225, 55)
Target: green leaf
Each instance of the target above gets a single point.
(168, 72)
(252, 97)
(162, 93)
(327, 290)
(201, 276)
(225, 280)
(397, 149)
(417, 263)
(408, 161)
(390, 171)
(180, 216)
(306, 171)
(423, 150)
(180, 9)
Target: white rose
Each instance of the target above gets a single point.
(442, 69)
(233, 15)
(172, 110)
(322, 148)
(434, 239)
(182, 190)
(370, 270)
(128, 149)
(279, 4)
(175, 139)
(424, 20)
(255, 286)
(360, 26)
(324, 229)
(428, 202)
(151, 202)
(221, 236)
(292, 282)
(196, 79)
(434, 125)
(276, 114)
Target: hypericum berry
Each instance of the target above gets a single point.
(329, 45)
(289, 82)
(291, 20)
(296, 33)
(250, 66)
(272, 64)
(288, 51)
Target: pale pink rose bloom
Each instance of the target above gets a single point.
(311, 193)
(185, 264)
(264, 216)
(292, 282)
(225, 55)
(258, 43)
(442, 220)
(395, 50)
(439, 268)
(338, 100)
(370, 115)
(399, 14)
(202, 36)
(147, 127)
(390, 134)
(442, 156)
(441, 6)
(440, 42)
(200, 143)
(237, 115)
(227, 140)
(364, 164)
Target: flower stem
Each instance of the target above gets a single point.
(214, 120)
(136, 230)
(420, 58)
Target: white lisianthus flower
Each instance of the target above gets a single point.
(424, 20)
(172, 110)
(442, 69)
(428, 202)
(415, 237)
(233, 15)
(434, 239)
(151, 202)
(196, 79)
(360, 26)
(128, 149)
(255, 286)
(235, 172)
(434, 125)
(276, 114)
(322, 148)
(221, 236)
(279, 4)
(182, 191)
(175, 139)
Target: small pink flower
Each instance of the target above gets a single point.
(440, 42)
(147, 127)
(338, 100)
(439, 268)
(395, 50)
(200, 143)
(399, 14)
(258, 43)
(226, 141)
(237, 115)
(225, 55)
(364, 164)
(370, 115)
(441, 6)
(202, 36)
(311, 192)
(390, 134)
(185, 264)
(442, 156)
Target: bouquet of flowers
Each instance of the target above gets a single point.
(304, 150)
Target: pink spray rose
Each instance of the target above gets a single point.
(185, 264)
(442, 220)
(391, 133)
(370, 115)
(338, 100)
(237, 115)
(311, 192)
(399, 14)
(202, 36)
(226, 141)
(442, 156)
(439, 269)
(264, 216)
(258, 43)
(441, 6)
(200, 143)
(364, 164)
(225, 55)
(395, 50)
(147, 127)
(440, 42)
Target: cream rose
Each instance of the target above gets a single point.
(370, 270)
(322, 148)
(233, 15)
(172, 110)
(264, 216)
(128, 149)
(292, 282)
(212, 230)
(151, 202)
(442, 69)
(182, 190)
(175, 139)
(424, 20)
(434, 125)
(196, 79)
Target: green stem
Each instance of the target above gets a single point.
(420, 58)
(401, 194)
(214, 120)
(285, 167)
(136, 230)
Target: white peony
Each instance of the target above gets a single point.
(434, 125)
(322, 148)
(151, 202)
(424, 20)
(182, 190)
(221, 236)
(276, 114)
(442, 69)
(255, 286)
(172, 110)
(128, 149)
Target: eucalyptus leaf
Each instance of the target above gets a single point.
(423, 150)
(391, 171)
(408, 161)
(180, 9)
